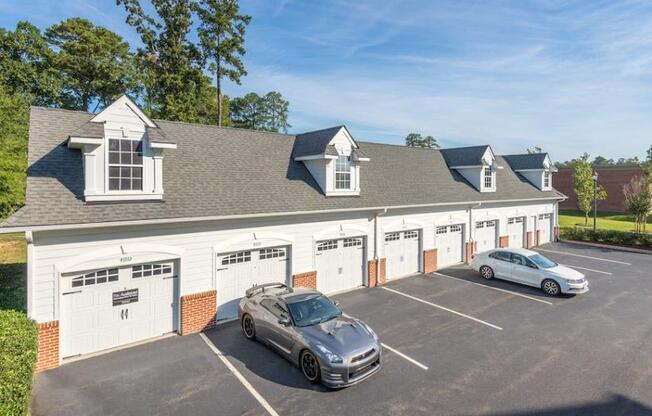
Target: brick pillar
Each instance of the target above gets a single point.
(198, 312)
(48, 346)
(503, 241)
(371, 269)
(555, 236)
(529, 240)
(307, 279)
(430, 260)
(538, 237)
(469, 251)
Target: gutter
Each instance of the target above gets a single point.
(8, 229)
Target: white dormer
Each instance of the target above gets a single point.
(476, 164)
(122, 154)
(537, 168)
(333, 159)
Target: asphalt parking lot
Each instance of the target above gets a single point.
(454, 344)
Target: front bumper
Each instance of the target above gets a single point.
(349, 373)
(576, 289)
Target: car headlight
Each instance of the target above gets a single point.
(330, 356)
(575, 282)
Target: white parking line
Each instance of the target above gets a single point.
(400, 354)
(497, 288)
(591, 270)
(580, 255)
(239, 376)
(443, 308)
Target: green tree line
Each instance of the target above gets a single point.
(188, 49)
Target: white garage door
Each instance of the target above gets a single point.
(402, 252)
(544, 224)
(106, 308)
(238, 271)
(448, 240)
(486, 234)
(516, 231)
(340, 264)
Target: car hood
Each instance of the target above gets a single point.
(341, 335)
(566, 272)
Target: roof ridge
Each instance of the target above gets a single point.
(41, 107)
(397, 145)
(324, 129)
(214, 126)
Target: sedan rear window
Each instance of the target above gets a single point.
(501, 255)
(313, 311)
(542, 261)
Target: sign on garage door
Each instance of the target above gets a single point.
(516, 231)
(402, 253)
(449, 242)
(340, 264)
(486, 234)
(106, 308)
(240, 270)
(544, 225)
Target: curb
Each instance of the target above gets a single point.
(609, 246)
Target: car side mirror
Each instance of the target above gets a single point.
(336, 303)
(534, 266)
(284, 320)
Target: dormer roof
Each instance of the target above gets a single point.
(89, 130)
(463, 157)
(124, 100)
(531, 161)
(318, 143)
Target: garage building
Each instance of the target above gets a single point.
(138, 227)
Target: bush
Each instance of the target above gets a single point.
(18, 346)
(620, 238)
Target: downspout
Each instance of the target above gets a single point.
(376, 256)
(471, 207)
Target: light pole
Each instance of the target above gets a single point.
(595, 198)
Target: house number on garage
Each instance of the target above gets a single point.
(125, 259)
(125, 296)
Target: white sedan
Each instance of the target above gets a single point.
(530, 268)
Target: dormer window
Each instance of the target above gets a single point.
(546, 179)
(488, 178)
(343, 173)
(125, 165)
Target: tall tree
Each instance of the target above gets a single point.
(647, 166)
(173, 63)
(221, 33)
(276, 109)
(249, 112)
(417, 140)
(95, 64)
(583, 186)
(27, 65)
(535, 149)
(13, 149)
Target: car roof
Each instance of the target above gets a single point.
(289, 294)
(521, 251)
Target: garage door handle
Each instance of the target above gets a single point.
(127, 313)
(223, 268)
(71, 293)
(122, 314)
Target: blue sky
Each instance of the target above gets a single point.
(569, 76)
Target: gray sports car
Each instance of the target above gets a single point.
(310, 330)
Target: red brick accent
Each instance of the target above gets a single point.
(307, 279)
(48, 346)
(611, 178)
(503, 241)
(529, 239)
(371, 270)
(538, 237)
(430, 260)
(469, 246)
(198, 312)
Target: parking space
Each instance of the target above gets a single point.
(457, 345)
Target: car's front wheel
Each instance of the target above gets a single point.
(487, 272)
(310, 366)
(550, 287)
(248, 327)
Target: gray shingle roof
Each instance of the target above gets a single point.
(526, 161)
(315, 142)
(89, 130)
(156, 135)
(464, 156)
(223, 171)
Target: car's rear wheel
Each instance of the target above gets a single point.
(310, 367)
(249, 327)
(487, 272)
(550, 287)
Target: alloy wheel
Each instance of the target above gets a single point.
(310, 366)
(248, 327)
(486, 272)
(550, 287)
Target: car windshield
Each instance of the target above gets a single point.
(313, 311)
(542, 261)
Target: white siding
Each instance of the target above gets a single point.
(201, 242)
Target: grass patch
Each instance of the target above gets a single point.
(13, 272)
(612, 221)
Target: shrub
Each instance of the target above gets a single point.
(620, 238)
(18, 346)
